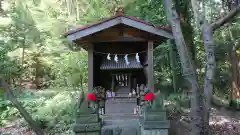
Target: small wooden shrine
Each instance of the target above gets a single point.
(110, 41)
(120, 56)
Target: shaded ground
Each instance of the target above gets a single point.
(223, 122)
(15, 129)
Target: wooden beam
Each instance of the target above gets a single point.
(114, 39)
(90, 67)
(129, 81)
(150, 66)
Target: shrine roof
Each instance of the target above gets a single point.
(166, 28)
(119, 19)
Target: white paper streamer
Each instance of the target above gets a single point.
(108, 57)
(126, 59)
(137, 58)
(116, 58)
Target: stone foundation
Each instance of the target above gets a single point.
(154, 132)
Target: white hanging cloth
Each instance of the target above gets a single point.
(123, 77)
(126, 59)
(126, 79)
(137, 58)
(108, 57)
(116, 58)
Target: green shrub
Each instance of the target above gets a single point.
(57, 110)
(235, 104)
(180, 99)
(54, 110)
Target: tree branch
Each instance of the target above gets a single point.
(10, 95)
(220, 22)
(2, 12)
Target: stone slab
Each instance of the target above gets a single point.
(90, 127)
(155, 116)
(121, 127)
(154, 132)
(88, 133)
(148, 125)
(89, 118)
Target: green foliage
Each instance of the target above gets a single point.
(32, 49)
(54, 109)
(180, 99)
(72, 71)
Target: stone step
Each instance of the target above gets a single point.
(117, 122)
(125, 94)
(120, 116)
(121, 100)
(120, 127)
(120, 107)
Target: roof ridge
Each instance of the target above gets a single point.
(111, 18)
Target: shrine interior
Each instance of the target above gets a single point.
(119, 76)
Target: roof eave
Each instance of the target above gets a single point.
(115, 20)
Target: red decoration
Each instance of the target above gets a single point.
(92, 97)
(149, 96)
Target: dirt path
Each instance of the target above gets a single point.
(225, 122)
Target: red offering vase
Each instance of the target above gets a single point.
(149, 96)
(92, 97)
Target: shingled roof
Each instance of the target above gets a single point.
(119, 18)
(166, 28)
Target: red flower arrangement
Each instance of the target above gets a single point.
(149, 96)
(91, 97)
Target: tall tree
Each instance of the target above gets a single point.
(199, 121)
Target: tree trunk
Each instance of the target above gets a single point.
(33, 124)
(38, 71)
(23, 54)
(235, 74)
(235, 91)
(189, 71)
(182, 8)
(210, 68)
(172, 55)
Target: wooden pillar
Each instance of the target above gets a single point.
(129, 82)
(150, 70)
(113, 82)
(90, 67)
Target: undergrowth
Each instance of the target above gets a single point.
(54, 109)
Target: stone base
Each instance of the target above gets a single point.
(148, 125)
(90, 127)
(120, 127)
(154, 132)
(88, 133)
(155, 116)
(151, 127)
(87, 128)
